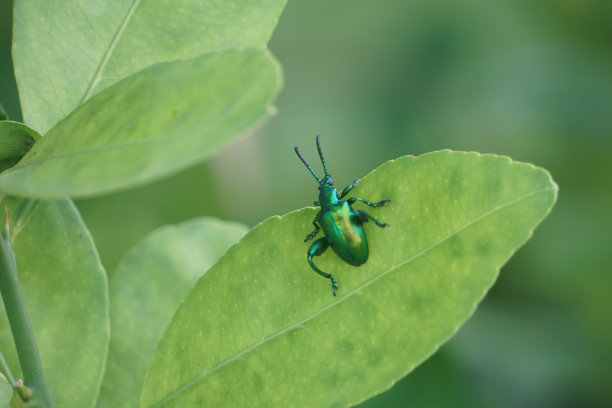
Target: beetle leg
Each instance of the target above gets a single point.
(365, 217)
(316, 249)
(313, 233)
(349, 188)
(363, 200)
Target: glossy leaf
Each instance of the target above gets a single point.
(3, 115)
(261, 329)
(66, 52)
(65, 289)
(15, 141)
(150, 282)
(123, 137)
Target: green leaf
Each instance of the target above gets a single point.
(122, 137)
(3, 115)
(66, 52)
(261, 329)
(65, 290)
(15, 141)
(6, 391)
(150, 283)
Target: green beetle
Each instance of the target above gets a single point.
(341, 224)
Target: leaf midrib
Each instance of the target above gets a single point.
(109, 51)
(193, 382)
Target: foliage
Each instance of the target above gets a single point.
(136, 92)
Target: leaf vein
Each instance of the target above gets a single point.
(109, 51)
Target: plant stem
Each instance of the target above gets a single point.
(19, 321)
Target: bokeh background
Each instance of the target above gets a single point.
(531, 79)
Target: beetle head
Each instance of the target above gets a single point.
(326, 181)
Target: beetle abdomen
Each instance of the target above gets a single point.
(345, 233)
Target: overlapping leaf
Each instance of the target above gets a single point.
(149, 125)
(66, 51)
(148, 286)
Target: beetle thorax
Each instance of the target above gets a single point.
(328, 195)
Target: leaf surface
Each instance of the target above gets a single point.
(261, 329)
(67, 51)
(149, 125)
(149, 284)
(6, 391)
(65, 289)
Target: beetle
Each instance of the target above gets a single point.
(341, 224)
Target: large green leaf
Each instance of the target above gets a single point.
(124, 137)
(65, 290)
(67, 51)
(150, 283)
(15, 141)
(262, 329)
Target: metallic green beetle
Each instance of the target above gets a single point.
(341, 224)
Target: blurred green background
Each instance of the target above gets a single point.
(523, 78)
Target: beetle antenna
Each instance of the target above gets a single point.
(297, 151)
(321, 156)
